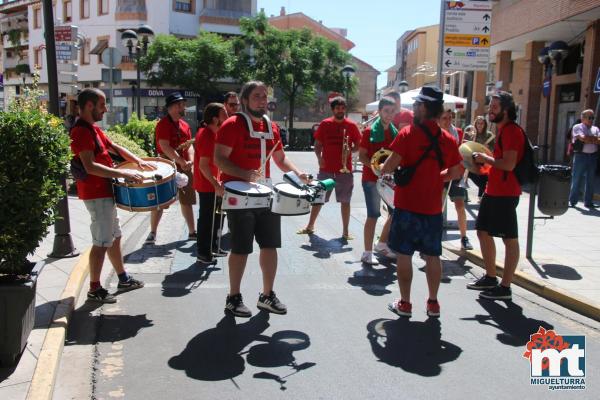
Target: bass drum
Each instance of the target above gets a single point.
(385, 188)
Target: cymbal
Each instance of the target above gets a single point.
(466, 151)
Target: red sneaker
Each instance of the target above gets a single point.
(433, 308)
(401, 308)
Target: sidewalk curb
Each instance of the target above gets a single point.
(546, 290)
(44, 376)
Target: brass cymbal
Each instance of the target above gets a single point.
(466, 151)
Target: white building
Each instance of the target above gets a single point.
(100, 24)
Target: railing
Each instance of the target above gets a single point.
(219, 13)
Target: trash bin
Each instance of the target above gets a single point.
(553, 189)
(299, 139)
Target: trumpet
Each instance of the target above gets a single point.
(345, 153)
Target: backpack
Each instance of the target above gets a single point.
(77, 169)
(527, 170)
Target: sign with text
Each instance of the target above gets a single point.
(467, 28)
(65, 52)
(65, 33)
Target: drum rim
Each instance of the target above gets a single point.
(305, 196)
(147, 184)
(149, 208)
(237, 192)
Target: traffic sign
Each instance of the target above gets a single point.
(66, 67)
(111, 57)
(68, 89)
(65, 52)
(65, 33)
(271, 106)
(597, 82)
(467, 28)
(65, 77)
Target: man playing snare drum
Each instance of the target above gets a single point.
(238, 156)
(89, 143)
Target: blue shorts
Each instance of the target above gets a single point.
(373, 199)
(412, 232)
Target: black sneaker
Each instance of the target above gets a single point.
(151, 239)
(130, 284)
(220, 253)
(101, 295)
(193, 236)
(497, 293)
(271, 303)
(483, 283)
(465, 244)
(235, 305)
(202, 259)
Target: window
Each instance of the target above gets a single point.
(67, 11)
(183, 6)
(103, 7)
(85, 52)
(37, 18)
(37, 58)
(84, 9)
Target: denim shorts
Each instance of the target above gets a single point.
(105, 222)
(412, 232)
(373, 199)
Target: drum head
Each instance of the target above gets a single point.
(247, 188)
(164, 168)
(288, 190)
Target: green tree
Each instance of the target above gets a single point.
(297, 62)
(194, 64)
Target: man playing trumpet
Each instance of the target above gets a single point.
(379, 136)
(335, 140)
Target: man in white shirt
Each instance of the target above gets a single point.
(586, 138)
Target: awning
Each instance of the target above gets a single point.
(99, 48)
(407, 101)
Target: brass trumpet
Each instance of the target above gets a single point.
(345, 153)
(378, 159)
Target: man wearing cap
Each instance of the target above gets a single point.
(330, 138)
(173, 141)
(417, 221)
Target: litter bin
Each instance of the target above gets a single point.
(553, 189)
(299, 139)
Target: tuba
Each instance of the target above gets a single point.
(345, 152)
(378, 159)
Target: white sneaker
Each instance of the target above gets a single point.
(367, 258)
(383, 250)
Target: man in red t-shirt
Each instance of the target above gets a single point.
(206, 183)
(417, 221)
(497, 215)
(238, 155)
(402, 117)
(173, 141)
(378, 136)
(332, 136)
(92, 147)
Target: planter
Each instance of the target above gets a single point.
(17, 315)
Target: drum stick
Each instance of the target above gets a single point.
(268, 157)
(184, 145)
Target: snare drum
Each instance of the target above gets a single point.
(158, 190)
(320, 198)
(240, 195)
(385, 188)
(289, 200)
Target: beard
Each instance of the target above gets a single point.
(497, 117)
(258, 113)
(97, 115)
(339, 116)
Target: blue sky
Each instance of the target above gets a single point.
(374, 26)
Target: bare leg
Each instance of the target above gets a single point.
(314, 213)
(488, 250)
(345, 218)
(511, 259)
(155, 216)
(369, 232)
(237, 265)
(461, 214)
(433, 271)
(385, 232)
(268, 265)
(115, 256)
(405, 274)
(188, 215)
(96, 262)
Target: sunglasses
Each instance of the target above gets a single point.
(233, 104)
(590, 117)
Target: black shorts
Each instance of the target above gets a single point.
(245, 225)
(456, 192)
(498, 216)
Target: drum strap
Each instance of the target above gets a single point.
(263, 136)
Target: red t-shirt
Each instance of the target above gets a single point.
(331, 135)
(94, 186)
(404, 116)
(500, 182)
(175, 132)
(365, 143)
(423, 195)
(245, 151)
(204, 146)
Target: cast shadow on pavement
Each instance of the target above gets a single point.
(452, 268)
(416, 347)
(508, 317)
(109, 328)
(324, 248)
(147, 252)
(182, 282)
(556, 271)
(218, 353)
(374, 280)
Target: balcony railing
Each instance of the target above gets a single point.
(219, 13)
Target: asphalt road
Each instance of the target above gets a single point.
(171, 340)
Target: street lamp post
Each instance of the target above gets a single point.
(138, 40)
(402, 86)
(348, 72)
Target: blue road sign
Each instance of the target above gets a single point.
(597, 82)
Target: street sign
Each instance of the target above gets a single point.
(65, 52)
(65, 33)
(597, 82)
(65, 77)
(68, 89)
(111, 57)
(117, 75)
(271, 106)
(467, 28)
(66, 67)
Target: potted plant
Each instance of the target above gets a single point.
(34, 153)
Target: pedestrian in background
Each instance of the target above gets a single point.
(586, 138)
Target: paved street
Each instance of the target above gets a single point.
(172, 340)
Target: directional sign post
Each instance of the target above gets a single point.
(466, 35)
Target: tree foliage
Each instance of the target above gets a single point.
(194, 64)
(295, 61)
